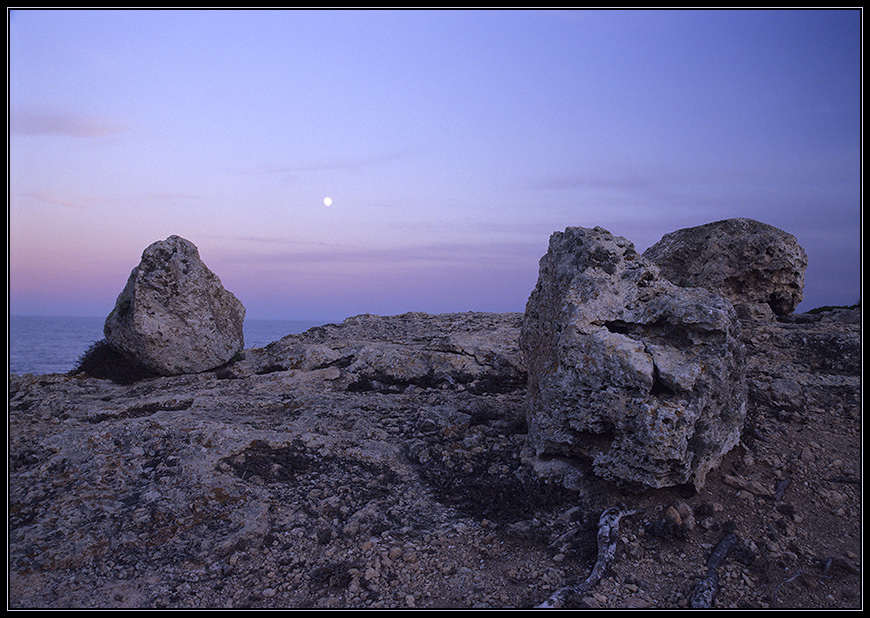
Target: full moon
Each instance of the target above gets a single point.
(327, 201)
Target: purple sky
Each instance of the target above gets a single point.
(451, 143)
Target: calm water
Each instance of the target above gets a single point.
(54, 345)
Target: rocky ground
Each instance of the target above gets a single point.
(381, 463)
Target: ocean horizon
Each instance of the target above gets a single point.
(52, 344)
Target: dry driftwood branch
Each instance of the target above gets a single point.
(608, 536)
(825, 574)
(705, 590)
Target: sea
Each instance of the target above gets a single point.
(40, 345)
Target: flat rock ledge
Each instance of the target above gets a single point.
(382, 463)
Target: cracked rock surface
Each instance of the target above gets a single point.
(383, 463)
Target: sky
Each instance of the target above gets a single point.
(451, 145)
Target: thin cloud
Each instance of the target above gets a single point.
(173, 198)
(589, 181)
(352, 164)
(436, 254)
(55, 200)
(62, 124)
(275, 240)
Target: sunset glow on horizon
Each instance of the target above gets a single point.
(329, 163)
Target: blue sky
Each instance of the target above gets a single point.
(451, 143)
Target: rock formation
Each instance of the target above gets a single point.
(474, 351)
(174, 315)
(640, 376)
(746, 261)
(313, 473)
(392, 462)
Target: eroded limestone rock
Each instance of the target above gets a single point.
(640, 376)
(174, 315)
(746, 261)
(475, 351)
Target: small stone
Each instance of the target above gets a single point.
(835, 498)
(636, 603)
(759, 489)
(734, 481)
(351, 528)
(685, 510)
(590, 601)
(673, 516)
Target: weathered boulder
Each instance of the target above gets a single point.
(744, 260)
(174, 315)
(640, 376)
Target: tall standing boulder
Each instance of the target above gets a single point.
(746, 261)
(627, 370)
(174, 315)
